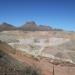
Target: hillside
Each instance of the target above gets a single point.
(33, 50)
(10, 65)
(32, 26)
(6, 26)
(42, 43)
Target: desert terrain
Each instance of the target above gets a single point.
(36, 50)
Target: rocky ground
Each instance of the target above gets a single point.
(52, 52)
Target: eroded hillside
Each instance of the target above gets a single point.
(51, 51)
(49, 44)
(11, 65)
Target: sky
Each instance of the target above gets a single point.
(55, 13)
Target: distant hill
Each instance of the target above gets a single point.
(33, 26)
(28, 26)
(9, 65)
(6, 26)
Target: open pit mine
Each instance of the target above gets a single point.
(36, 50)
(51, 51)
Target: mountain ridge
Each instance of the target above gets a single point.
(28, 26)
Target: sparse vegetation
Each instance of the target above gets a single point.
(1, 54)
(15, 68)
(32, 71)
(26, 71)
(14, 51)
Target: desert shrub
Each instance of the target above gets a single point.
(36, 41)
(32, 71)
(13, 51)
(1, 54)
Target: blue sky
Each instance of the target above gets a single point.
(56, 13)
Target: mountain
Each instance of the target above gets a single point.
(45, 27)
(28, 26)
(32, 26)
(6, 26)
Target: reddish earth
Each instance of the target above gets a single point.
(43, 64)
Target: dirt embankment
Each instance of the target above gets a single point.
(43, 64)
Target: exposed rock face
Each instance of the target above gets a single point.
(44, 43)
(53, 51)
